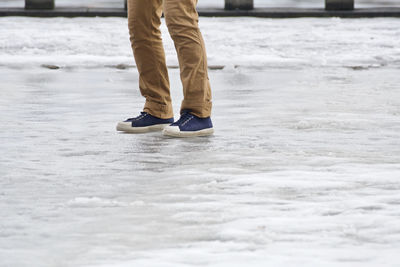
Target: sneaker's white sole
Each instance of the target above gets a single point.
(127, 127)
(175, 132)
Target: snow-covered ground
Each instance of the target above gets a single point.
(303, 170)
(251, 42)
(212, 3)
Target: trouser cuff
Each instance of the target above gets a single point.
(202, 110)
(158, 110)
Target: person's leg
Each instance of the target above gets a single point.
(144, 23)
(182, 21)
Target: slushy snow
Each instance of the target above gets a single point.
(303, 169)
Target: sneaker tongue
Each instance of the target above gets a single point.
(185, 111)
(132, 119)
(185, 115)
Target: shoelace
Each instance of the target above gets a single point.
(142, 115)
(184, 117)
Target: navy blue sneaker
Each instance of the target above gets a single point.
(143, 123)
(189, 125)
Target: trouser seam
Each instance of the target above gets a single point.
(151, 43)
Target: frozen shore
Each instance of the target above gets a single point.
(251, 42)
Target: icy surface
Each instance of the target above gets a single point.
(298, 43)
(303, 169)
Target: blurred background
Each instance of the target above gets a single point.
(212, 3)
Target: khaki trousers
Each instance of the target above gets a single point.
(144, 20)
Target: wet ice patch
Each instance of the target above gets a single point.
(85, 202)
(94, 202)
(319, 123)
